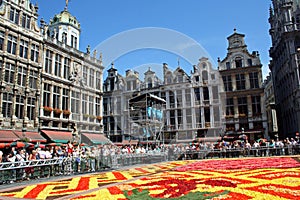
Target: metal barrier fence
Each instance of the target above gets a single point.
(18, 171)
(34, 169)
(236, 153)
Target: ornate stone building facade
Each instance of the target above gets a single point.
(270, 107)
(285, 53)
(47, 84)
(242, 91)
(193, 107)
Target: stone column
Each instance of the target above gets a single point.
(2, 86)
(249, 106)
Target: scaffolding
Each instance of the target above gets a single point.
(146, 114)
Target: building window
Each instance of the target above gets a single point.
(92, 78)
(23, 49)
(242, 106)
(34, 53)
(169, 79)
(215, 91)
(33, 75)
(189, 118)
(91, 106)
(57, 69)
(75, 102)
(240, 81)
(56, 96)
(105, 106)
(249, 62)
(198, 117)
(66, 68)
(238, 62)
(128, 85)
(205, 93)
(228, 65)
(26, 21)
(65, 99)
(85, 74)
(46, 95)
(22, 74)
(213, 76)
(73, 41)
(48, 61)
(227, 83)
(253, 80)
(7, 104)
(256, 108)
(188, 99)
(12, 44)
(31, 107)
(2, 35)
(197, 96)
(118, 105)
(205, 76)
(179, 78)
(98, 106)
(216, 114)
(149, 81)
(84, 104)
(172, 99)
(179, 98)
(19, 112)
(229, 107)
(98, 80)
(172, 118)
(134, 84)
(14, 15)
(207, 114)
(64, 38)
(9, 73)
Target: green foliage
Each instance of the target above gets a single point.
(144, 195)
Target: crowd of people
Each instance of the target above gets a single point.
(90, 159)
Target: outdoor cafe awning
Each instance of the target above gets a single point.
(32, 136)
(58, 136)
(8, 136)
(94, 139)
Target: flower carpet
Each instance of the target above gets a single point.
(240, 178)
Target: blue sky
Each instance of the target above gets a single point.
(207, 22)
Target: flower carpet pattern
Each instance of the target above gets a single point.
(243, 178)
(65, 187)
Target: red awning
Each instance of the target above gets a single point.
(58, 136)
(94, 139)
(32, 136)
(8, 136)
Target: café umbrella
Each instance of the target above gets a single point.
(3, 145)
(19, 144)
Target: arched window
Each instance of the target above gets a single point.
(64, 38)
(238, 62)
(169, 79)
(180, 78)
(149, 81)
(204, 76)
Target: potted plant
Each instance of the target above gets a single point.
(66, 112)
(57, 111)
(48, 109)
(99, 118)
